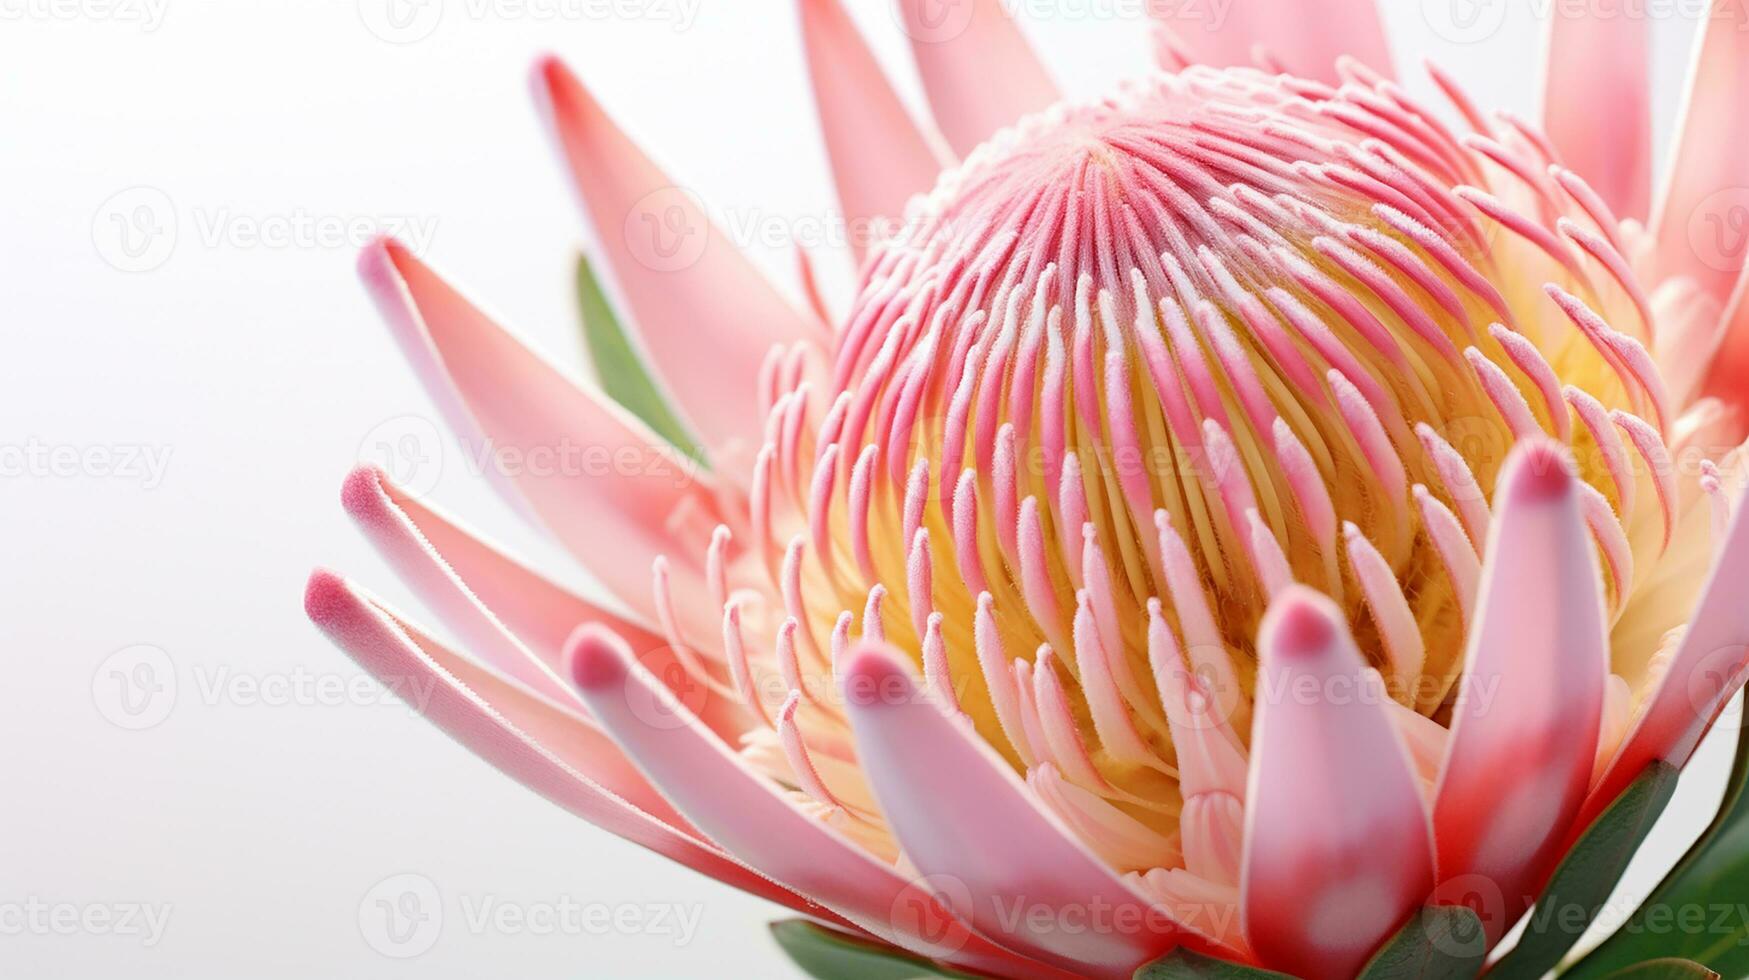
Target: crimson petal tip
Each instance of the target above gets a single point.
(872, 662)
(324, 595)
(1538, 471)
(376, 263)
(1299, 624)
(596, 657)
(362, 490)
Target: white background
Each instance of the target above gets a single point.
(260, 369)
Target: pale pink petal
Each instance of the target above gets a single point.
(1118, 838)
(704, 314)
(747, 814)
(539, 611)
(1699, 216)
(1338, 851)
(507, 613)
(879, 156)
(614, 493)
(823, 318)
(1212, 768)
(978, 70)
(366, 498)
(1709, 667)
(1602, 64)
(1304, 37)
(1524, 732)
(963, 817)
(399, 658)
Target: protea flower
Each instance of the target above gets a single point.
(1232, 515)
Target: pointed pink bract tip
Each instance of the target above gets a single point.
(1300, 623)
(378, 261)
(546, 75)
(871, 662)
(324, 596)
(362, 492)
(873, 677)
(545, 66)
(1538, 471)
(559, 93)
(596, 657)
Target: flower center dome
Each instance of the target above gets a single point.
(1138, 364)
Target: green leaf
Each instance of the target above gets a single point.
(1182, 964)
(1668, 968)
(1442, 942)
(1587, 875)
(831, 955)
(619, 369)
(1701, 908)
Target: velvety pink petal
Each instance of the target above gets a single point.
(746, 814)
(473, 623)
(489, 719)
(510, 615)
(1524, 734)
(704, 314)
(978, 70)
(1708, 668)
(1338, 850)
(965, 820)
(879, 156)
(1701, 217)
(1601, 64)
(609, 489)
(1306, 37)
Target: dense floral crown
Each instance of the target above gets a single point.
(1246, 515)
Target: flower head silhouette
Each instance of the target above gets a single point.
(1230, 512)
